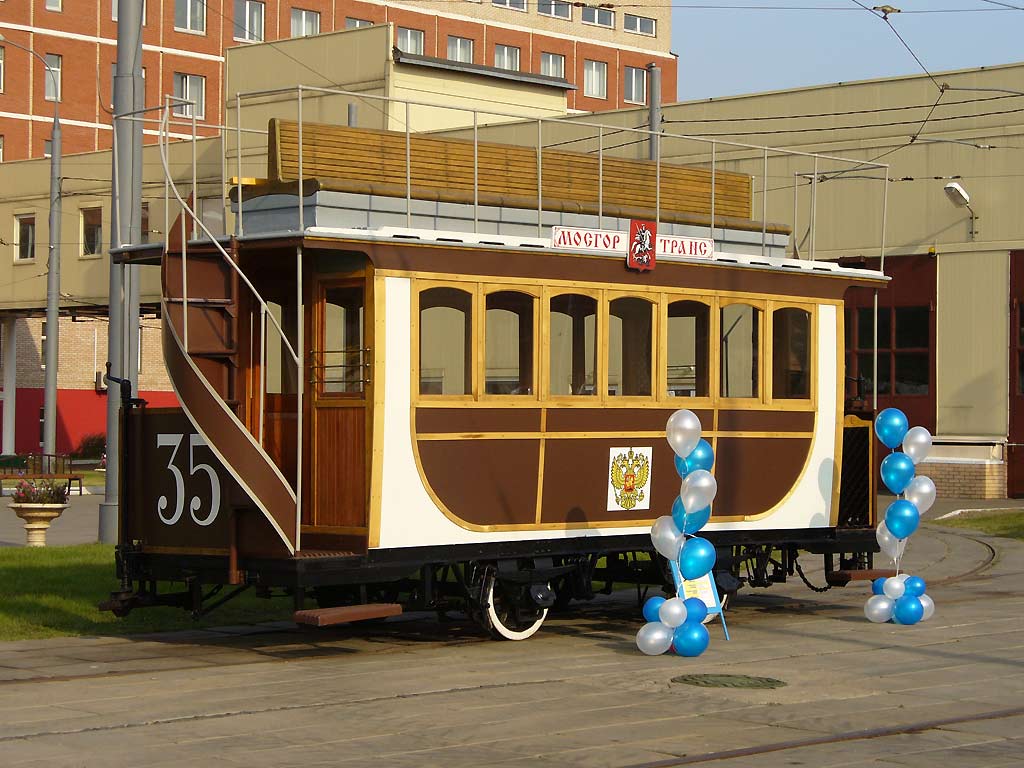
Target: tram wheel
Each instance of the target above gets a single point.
(509, 613)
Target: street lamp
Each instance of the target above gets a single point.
(53, 268)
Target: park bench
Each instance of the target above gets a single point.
(39, 466)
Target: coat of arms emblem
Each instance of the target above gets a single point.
(641, 249)
(629, 474)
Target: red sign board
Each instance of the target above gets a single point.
(643, 239)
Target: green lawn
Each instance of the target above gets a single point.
(1009, 524)
(54, 591)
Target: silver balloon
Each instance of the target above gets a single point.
(878, 608)
(891, 546)
(698, 490)
(654, 638)
(929, 607)
(920, 493)
(902, 578)
(666, 538)
(917, 444)
(893, 588)
(683, 432)
(672, 612)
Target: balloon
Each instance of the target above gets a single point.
(921, 493)
(902, 578)
(889, 544)
(698, 490)
(681, 467)
(917, 443)
(690, 639)
(876, 589)
(672, 612)
(678, 513)
(893, 588)
(928, 605)
(683, 432)
(902, 518)
(908, 610)
(666, 538)
(701, 457)
(696, 558)
(696, 521)
(696, 610)
(878, 608)
(654, 638)
(915, 586)
(891, 427)
(897, 472)
(651, 607)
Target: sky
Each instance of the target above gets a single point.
(728, 47)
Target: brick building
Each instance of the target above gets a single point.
(602, 51)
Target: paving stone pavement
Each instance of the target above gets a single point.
(419, 692)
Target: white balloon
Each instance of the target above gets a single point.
(929, 607)
(893, 588)
(683, 432)
(666, 538)
(917, 444)
(902, 578)
(921, 493)
(654, 638)
(672, 612)
(698, 490)
(878, 608)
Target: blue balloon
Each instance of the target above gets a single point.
(876, 586)
(696, 610)
(679, 513)
(908, 610)
(696, 558)
(651, 608)
(696, 521)
(891, 427)
(690, 638)
(701, 457)
(914, 586)
(680, 466)
(902, 518)
(897, 472)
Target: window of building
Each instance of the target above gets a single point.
(190, 88)
(1, 149)
(351, 23)
(600, 16)
(508, 343)
(92, 231)
(47, 147)
(341, 364)
(635, 85)
(446, 342)
(791, 354)
(573, 339)
(460, 49)
(641, 25)
(113, 10)
(249, 20)
(556, 8)
(515, 5)
(552, 65)
(689, 333)
(506, 57)
(630, 345)
(25, 236)
(740, 350)
(54, 5)
(1, 69)
(190, 15)
(409, 40)
(305, 23)
(52, 77)
(595, 79)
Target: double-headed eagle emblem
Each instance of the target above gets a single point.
(629, 474)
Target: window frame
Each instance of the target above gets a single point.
(241, 32)
(559, 56)
(319, 333)
(555, 4)
(185, 110)
(768, 342)
(512, 5)
(638, 31)
(409, 34)
(711, 302)
(600, 353)
(597, 15)
(459, 45)
(760, 398)
(189, 20)
(303, 13)
(586, 93)
(473, 289)
(486, 289)
(81, 232)
(507, 47)
(57, 80)
(654, 301)
(3, 68)
(627, 78)
(351, 22)
(17, 237)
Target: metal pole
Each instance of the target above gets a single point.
(408, 169)
(238, 162)
(814, 205)
(300, 378)
(881, 267)
(764, 205)
(302, 212)
(10, 353)
(540, 177)
(600, 177)
(714, 148)
(352, 117)
(476, 171)
(796, 211)
(654, 112)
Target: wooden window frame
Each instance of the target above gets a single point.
(768, 342)
(473, 289)
(601, 353)
(654, 301)
(711, 302)
(481, 345)
(760, 399)
(319, 333)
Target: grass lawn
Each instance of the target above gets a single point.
(93, 478)
(54, 591)
(1009, 524)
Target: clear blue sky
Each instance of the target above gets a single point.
(744, 50)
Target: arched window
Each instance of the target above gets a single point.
(508, 343)
(740, 350)
(791, 354)
(573, 338)
(630, 326)
(446, 342)
(689, 334)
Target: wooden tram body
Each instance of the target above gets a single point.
(428, 418)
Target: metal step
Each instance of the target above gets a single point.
(344, 614)
(203, 302)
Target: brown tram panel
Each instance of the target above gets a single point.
(765, 421)
(476, 420)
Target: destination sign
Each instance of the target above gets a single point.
(613, 242)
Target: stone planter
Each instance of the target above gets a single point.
(37, 519)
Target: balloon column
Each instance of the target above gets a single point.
(677, 623)
(901, 598)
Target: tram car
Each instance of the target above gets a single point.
(384, 411)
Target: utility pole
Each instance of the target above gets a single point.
(125, 229)
(654, 113)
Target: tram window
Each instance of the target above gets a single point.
(688, 335)
(341, 361)
(740, 328)
(573, 338)
(791, 353)
(866, 368)
(508, 344)
(630, 325)
(446, 342)
(280, 369)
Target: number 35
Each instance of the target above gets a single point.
(173, 441)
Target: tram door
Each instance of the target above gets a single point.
(338, 368)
